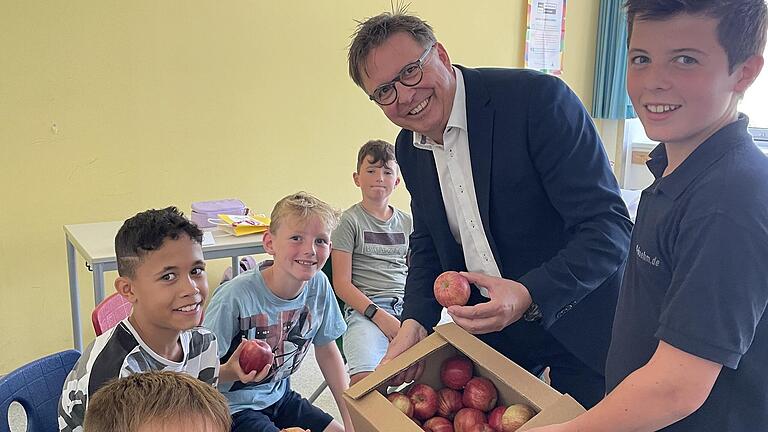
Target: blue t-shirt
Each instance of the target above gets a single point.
(245, 307)
(696, 277)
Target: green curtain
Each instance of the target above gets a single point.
(610, 99)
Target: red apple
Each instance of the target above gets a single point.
(438, 424)
(482, 427)
(424, 400)
(456, 372)
(480, 393)
(402, 402)
(255, 355)
(466, 418)
(448, 402)
(451, 288)
(515, 416)
(494, 418)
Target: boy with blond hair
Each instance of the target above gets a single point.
(162, 273)
(157, 401)
(288, 304)
(370, 247)
(690, 338)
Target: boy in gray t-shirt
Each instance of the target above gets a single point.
(369, 260)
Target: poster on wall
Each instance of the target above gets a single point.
(544, 36)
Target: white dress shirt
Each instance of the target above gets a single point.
(454, 171)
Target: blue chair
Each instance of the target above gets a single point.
(37, 387)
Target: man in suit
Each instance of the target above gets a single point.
(509, 182)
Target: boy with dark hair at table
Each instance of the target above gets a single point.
(162, 273)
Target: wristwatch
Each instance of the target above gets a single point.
(533, 313)
(370, 311)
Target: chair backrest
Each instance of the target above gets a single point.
(328, 270)
(37, 387)
(109, 312)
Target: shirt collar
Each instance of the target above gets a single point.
(709, 152)
(458, 117)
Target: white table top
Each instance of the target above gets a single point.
(96, 241)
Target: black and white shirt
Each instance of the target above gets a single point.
(120, 352)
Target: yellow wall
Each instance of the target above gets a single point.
(110, 107)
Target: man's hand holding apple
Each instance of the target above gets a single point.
(508, 302)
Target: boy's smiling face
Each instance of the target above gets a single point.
(678, 79)
(300, 248)
(169, 287)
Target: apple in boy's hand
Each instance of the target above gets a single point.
(451, 289)
(256, 354)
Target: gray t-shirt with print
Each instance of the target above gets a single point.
(379, 249)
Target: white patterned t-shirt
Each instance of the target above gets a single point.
(120, 352)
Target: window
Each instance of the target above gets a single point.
(753, 105)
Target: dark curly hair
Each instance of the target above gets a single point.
(146, 232)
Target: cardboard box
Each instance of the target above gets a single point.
(372, 412)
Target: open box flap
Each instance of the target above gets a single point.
(372, 414)
(527, 385)
(385, 372)
(564, 409)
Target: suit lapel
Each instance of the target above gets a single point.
(480, 115)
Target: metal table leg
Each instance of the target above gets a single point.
(98, 283)
(235, 266)
(74, 297)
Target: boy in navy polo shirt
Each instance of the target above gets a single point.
(690, 337)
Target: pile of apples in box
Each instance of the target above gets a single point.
(467, 403)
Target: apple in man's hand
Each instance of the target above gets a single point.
(255, 355)
(451, 289)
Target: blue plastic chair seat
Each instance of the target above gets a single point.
(37, 387)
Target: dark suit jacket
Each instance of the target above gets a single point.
(550, 206)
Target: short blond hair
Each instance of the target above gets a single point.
(127, 404)
(304, 206)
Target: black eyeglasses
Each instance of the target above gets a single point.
(409, 76)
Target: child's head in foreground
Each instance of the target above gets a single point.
(299, 235)
(157, 401)
(161, 269)
(690, 62)
(377, 172)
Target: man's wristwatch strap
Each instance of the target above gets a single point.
(533, 313)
